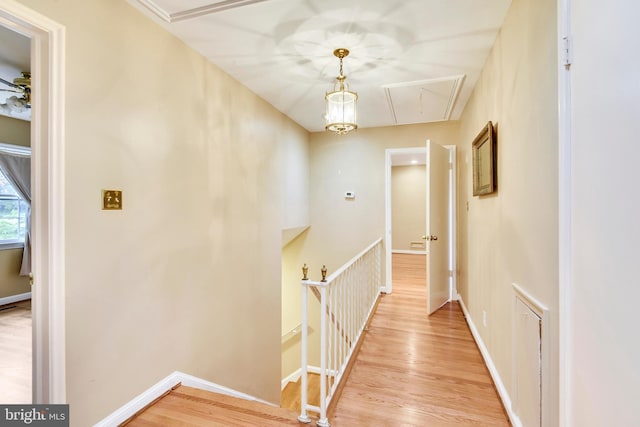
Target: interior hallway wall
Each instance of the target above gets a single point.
(187, 276)
(408, 206)
(512, 236)
(341, 227)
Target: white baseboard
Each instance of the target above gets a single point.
(410, 252)
(295, 375)
(139, 402)
(291, 378)
(152, 393)
(497, 380)
(15, 298)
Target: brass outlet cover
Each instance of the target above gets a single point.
(111, 200)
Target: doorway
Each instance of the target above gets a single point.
(417, 156)
(47, 187)
(15, 196)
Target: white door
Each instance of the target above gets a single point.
(437, 236)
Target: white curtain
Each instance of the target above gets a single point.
(17, 169)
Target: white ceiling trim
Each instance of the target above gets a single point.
(454, 95)
(195, 12)
(456, 84)
(155, 9)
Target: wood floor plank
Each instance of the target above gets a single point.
(415, 369)
(412, 370)
(187, 406)
(15, 353)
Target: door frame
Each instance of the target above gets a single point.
(48, 196)
(389, 153)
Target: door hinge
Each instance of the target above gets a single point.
(567, 51)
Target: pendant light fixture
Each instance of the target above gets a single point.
(340, 112)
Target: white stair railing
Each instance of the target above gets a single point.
(347, 299)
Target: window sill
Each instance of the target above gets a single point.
(11, 245)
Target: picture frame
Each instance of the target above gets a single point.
(484, 161)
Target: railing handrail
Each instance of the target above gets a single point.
(348, 264)
(365, 288)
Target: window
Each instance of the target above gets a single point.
(13, 214)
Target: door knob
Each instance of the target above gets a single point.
(432, 237)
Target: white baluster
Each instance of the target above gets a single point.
(323, 421)
(304, 418)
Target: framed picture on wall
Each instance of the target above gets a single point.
(484, 161)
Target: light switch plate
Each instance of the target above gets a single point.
(111, 200)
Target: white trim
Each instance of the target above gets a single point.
(195, 382)
(291, 378)
(542, 312)
(387, 221)
(565, 224)
(15, 298)
(497, 380)
(194, 12)
(408, 252)
(136, 404)
(142, 400)
(295, 375)
(12, 245)
(152, 7)
(47, 143)
(453, 222)
(15, 149)
(533, 303)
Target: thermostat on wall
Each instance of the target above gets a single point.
(349, 195)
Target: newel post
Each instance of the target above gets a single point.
(304, 417)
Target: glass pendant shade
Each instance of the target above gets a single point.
(340, 113)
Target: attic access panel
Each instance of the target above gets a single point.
(423, 101)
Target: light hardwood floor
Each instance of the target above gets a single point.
(186, 406)
(412, 370)
(417, 370)
(15, 353)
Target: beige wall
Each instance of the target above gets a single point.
(11, 283)
(408, 206)
(187, 276)
(512, 236)
(17, 132)
(291, 303)
(341, 228)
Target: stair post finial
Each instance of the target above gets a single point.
(305, 271)
(324, 273)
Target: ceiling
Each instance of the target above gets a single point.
(409, 158)
(411, 61)
(15, 56)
